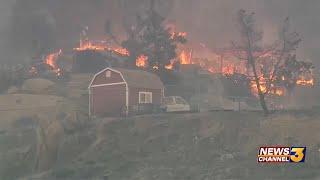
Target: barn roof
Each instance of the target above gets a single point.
(137, 78)
(141, 79)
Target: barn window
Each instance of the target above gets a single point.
(108, 74)
(145, 97)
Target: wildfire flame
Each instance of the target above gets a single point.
(278, 91)
(51, 59)
(217, 63)
(101, 46)
(228, 69)
(174, 33)
(90, 46)
(142, 61)
(121, 51)
(304, 82)
(170, 66)
(178, 34)
(226, 66)
(185, 58)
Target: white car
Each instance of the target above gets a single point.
(175, 104)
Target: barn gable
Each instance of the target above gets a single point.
(107, 76)
(133, 78)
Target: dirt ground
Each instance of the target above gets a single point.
(212, 145)
(17, 106)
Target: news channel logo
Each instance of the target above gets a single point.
(281, 154)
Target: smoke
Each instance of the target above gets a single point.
(5, 13)
(212, 22)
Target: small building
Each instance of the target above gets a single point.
(113, 91)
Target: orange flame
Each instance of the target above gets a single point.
(90, 46)
(228, 69)
(177, 34)
(101, 46)
(51, 59)
(304, 82)
(121, 51)
(278, 91)
(142, 61)
(170, 66)
(185, 58)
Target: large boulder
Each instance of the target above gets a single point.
(38, 86)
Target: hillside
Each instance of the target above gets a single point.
(49, 136)
(214, 145)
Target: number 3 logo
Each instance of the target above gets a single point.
(297, 154)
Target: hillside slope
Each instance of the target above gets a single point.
(216, 145)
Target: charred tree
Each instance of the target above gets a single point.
(274, 66)
(88, 61)
(151, 38)
(286, 70)
(290, 72)
(250, 44)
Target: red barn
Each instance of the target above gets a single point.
(114, 90)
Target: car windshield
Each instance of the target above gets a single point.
(168, 101)
(179, 100)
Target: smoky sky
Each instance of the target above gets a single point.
(206, 21)
(213, 21)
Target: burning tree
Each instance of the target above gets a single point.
(274, 67)
(250, 45)
(292, 73)
(150, 44)
(287, 70)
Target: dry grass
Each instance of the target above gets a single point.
(173, 146)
